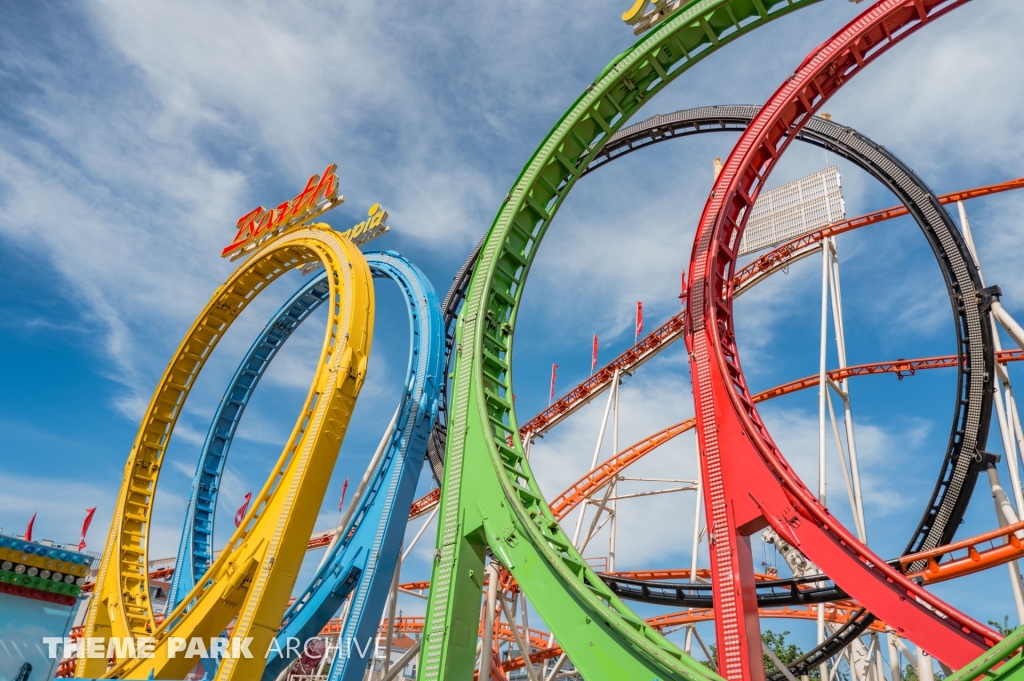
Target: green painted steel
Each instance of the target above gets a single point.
(1007, 652)
(490, 498)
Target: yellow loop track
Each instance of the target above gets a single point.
(254, 575)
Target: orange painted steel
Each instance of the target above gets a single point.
(418, 586)
(975, 560)
(161, 573)
(839, 612)
(590, 483)
(545, 648)
(592, 387)
(670, 330)
(586, 486)
(425, 504)
(684, 573)
(779, 257)
(795, 249)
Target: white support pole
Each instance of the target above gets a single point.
(822, 374)
(486, 640)
(401, 663)
(558, 666)
(526, 621)
(1006, 516)
(357, 496)
(879, 673)
(524, 646)
(613, 507)
(390, 629)
(925, 670)
(696, 535)
(419, 533)
(1009, 323)
(778, 663)
(1018, 432)
(965, 229)
(826, 255)
(1006, 418)
(1012, 420)
(597, 454)
(1004, 428)
(907, 653)
(707, 653)
(894, 656)
(594, 529)
(851, 441)
(1009, 422)
(842, 461)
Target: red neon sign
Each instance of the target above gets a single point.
(262, 222)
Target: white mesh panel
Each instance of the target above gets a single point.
(794, 209)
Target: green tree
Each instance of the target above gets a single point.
(1005, 629)
(910, 674)
(784, 650)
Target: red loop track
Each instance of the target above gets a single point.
(748, 483)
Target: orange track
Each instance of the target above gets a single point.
(671, 330)
(586, 486)
(793, 250)
(590, 483)
(545, 647)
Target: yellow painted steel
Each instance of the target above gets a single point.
(254, 575)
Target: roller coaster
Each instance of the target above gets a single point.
(500, 545)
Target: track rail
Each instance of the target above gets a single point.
(364, 556)
(593, 481)
(972, 406)
(450, 307)
(754, 486)
(256, 572)
(491, 499)
(545, 647)
(373, 536)
(798, 248)
(781, 256)
(195, 551)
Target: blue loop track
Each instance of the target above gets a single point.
(363, 560)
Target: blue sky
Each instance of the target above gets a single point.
(132, 136)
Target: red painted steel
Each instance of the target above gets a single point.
(748, 483)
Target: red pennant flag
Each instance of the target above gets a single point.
(593, 357)
(240, 515)
(344, 488)
(89, 513)
(554, 375)
(682, 290)
(639, 322)
(28, 530)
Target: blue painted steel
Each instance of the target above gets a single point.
(195, 552)
(365, 559)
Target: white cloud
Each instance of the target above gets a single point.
(649, 403)
(155, 126)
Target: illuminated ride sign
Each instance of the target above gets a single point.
(319, 196)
